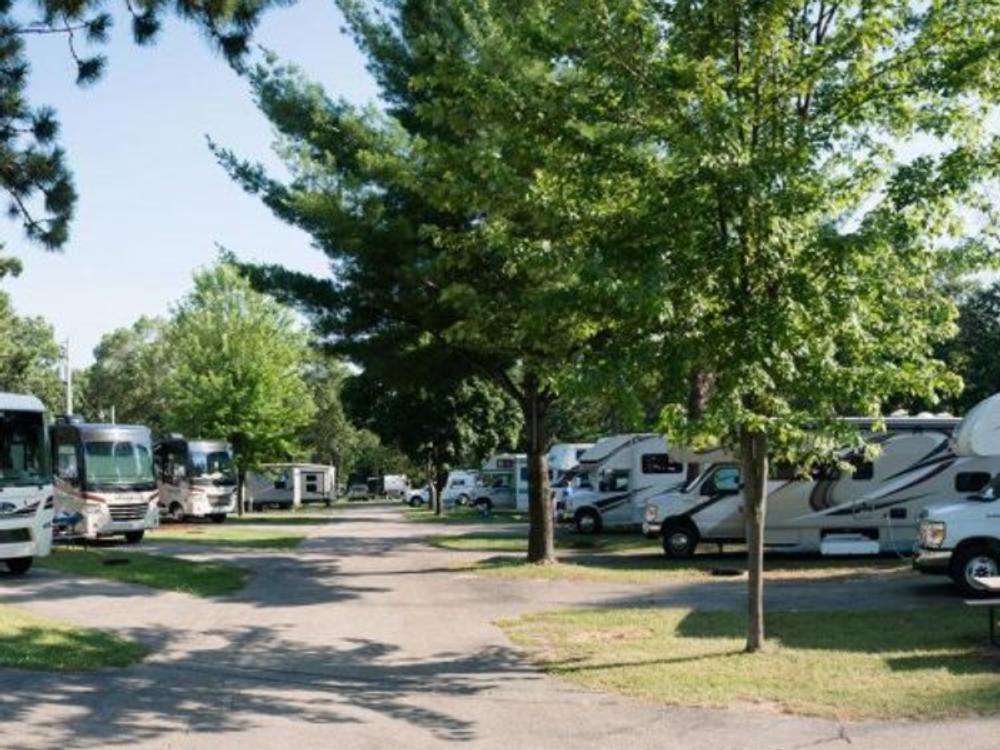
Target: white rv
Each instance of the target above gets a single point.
(459, 487)
(922, 461)
(503, 483)
(105, 484)
(26, 505)
(563, 458)
(615, 478)
(197, 478)
(291, 485)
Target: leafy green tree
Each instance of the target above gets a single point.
(973, 352)
(801, 234)
(33, 169)
(127, 376)
(29, 356)
(237, 364)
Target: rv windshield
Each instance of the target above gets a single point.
(24, 456)
(119, 463)
(989, 493)
(212, 465)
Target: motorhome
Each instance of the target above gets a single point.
(291, 485)
(459, 487)
(105, 483)
(563, 458)
(26, 504)
(503, 483)
(921, 460)
(615, 478)
(197, 478)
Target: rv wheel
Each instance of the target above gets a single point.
(484, 505)
(176, 512)
(588, 521)
(218, 517)
(972, 562)
(463, 499)
(134, 537)
(18, 566)
(680, 539)
(416, 501)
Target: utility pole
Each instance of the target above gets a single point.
(69, 378)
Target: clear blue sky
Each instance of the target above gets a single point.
(153, 202)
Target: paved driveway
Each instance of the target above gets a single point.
(365, 638)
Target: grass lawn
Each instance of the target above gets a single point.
(31, 642)
(922, 663)
(464, 515)
(309, 516)
(221, 535)
(499, 541)
(156, 571)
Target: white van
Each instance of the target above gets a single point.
(923, 460)
(26, 505)
(459, 487)
(616, 477)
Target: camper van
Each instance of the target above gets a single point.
(922, 461)
(503, 483)
(26, 506)
(197, 478)
(291, 485)
(105, 483)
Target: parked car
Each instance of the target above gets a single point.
(419, 496)
(358, 491)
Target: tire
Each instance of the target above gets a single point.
(218, 517)
(484, 505)
(134, 537)
(463, 499)
(974, 561)
(588, 521)
(176, 512)
(680, 539)
(18, 566)
(416, 501)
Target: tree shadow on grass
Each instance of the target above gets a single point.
(253, 677)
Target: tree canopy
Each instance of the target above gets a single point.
(29, 356)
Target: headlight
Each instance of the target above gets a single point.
(652, 513)
(932, 533)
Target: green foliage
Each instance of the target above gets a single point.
(35, 175)
(129, 369)
(973, 352)
(237, 362)
(29, 356)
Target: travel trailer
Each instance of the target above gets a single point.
(197, 478)
(503, 483)
(615, 478)
(291, 485)
(105, 483)
(922, 461)
(26, 505)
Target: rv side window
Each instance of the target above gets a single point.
(615, 481)
(725, 481)
(971, 481)
(660, 463)
(782, 471)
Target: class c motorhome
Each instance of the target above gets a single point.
(197, 478)
(503, 483)
(26, 503)
(105, 483)
(615, 478)
(922, 460)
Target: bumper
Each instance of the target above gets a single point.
(651, 529)
(932, 561)
(97, 521)
(208, 506)
(22, 539)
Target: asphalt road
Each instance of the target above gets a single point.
(365, 637)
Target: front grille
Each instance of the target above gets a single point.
(130, 512)
(14, 536)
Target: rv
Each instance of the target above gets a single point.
(503, 483)
(459, 487)
(105, 483)
(563, 458)
(291, 485)
(26, 506)
(392, 486)
(876, 508)
(197, 478)
(615, 478)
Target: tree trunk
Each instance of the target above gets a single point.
(541, 530)
(698, 387)
(753, 453)
(438, 479)
(240, 491)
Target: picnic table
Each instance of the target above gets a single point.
(991, 584)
